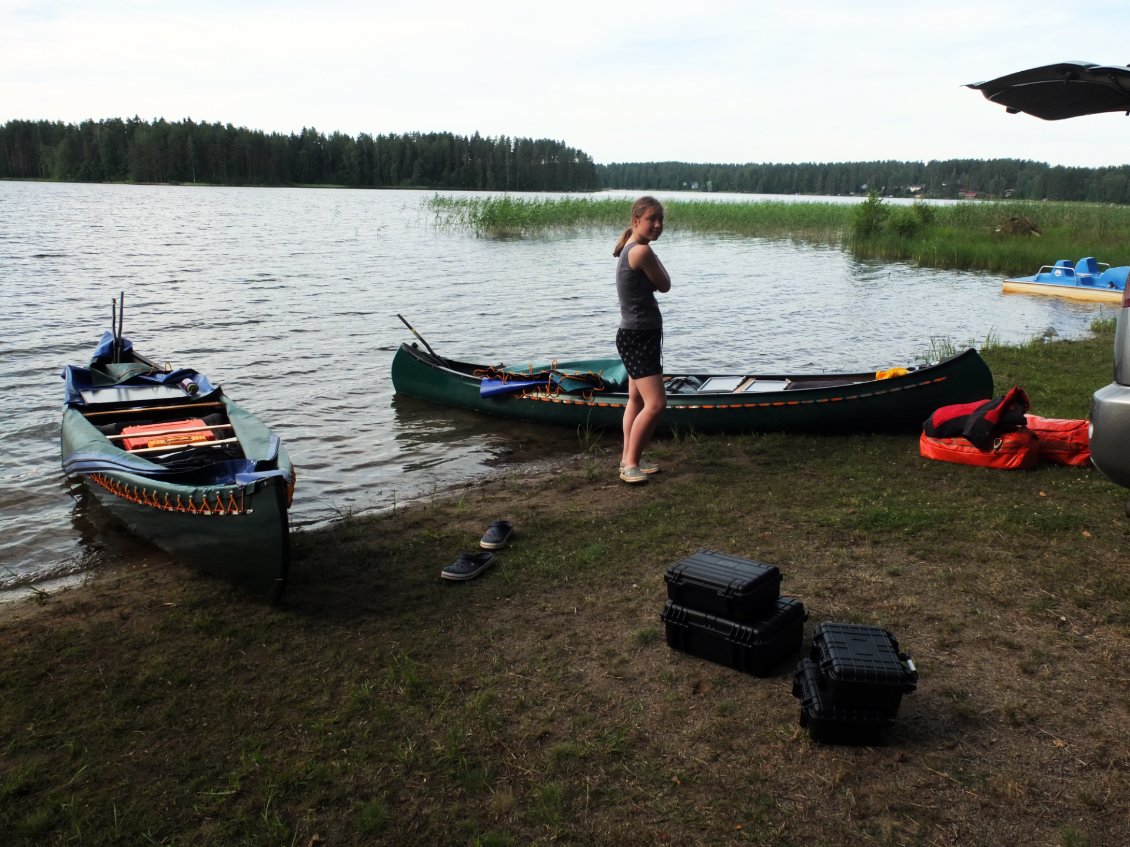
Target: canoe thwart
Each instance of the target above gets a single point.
(179, 445)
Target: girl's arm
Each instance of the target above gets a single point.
(643, 258)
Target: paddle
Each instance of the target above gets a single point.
(117, 316)
(494, 387)
(114, 329)
(425, 343)
(121, 319)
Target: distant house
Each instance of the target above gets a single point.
(967, 194)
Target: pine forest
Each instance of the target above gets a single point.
(137, 151)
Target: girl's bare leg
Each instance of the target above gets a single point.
(647, 398)
(631, 412)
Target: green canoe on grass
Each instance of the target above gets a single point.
(593, 393)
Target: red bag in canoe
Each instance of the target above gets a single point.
(1062, 441)
(1018, 449)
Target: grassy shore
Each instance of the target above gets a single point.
(1001, 237)
(540, 704)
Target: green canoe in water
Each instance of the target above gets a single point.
(180, 464)
(593, 393)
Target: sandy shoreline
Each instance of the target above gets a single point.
(128, 554)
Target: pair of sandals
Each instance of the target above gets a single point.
(470, 565)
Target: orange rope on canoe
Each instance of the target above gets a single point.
(153, 498)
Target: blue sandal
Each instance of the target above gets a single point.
(467, 566)
(496, 536)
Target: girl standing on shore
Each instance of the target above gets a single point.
(639, 340)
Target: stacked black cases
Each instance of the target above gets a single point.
(754, 648)
(851, 685)
(729, 610)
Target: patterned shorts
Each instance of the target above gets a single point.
(641, 351)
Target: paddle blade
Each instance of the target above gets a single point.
(495, 387)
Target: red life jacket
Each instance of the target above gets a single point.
(980, 422)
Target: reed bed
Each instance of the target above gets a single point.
(1001, 237)
(1005, 237)
(508, 216)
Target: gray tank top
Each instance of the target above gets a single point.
(638, 307)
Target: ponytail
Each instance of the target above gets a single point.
(624, 236)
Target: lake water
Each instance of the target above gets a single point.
(288, 298)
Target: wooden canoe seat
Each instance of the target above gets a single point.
(722, 383)
(131, 394)
(117, 412)
(216, 443)
(766, 385)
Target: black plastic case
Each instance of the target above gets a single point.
(861, 666)
(828, 721)
(752, 647)
(728, 586)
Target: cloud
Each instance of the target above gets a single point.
(716, 81)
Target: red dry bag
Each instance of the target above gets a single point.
(1018, 449)
(1062, 441)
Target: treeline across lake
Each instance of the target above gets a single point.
(955, 178)
(134, 150)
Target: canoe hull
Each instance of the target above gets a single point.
(181, 465)
(250, 548)
(899, 403)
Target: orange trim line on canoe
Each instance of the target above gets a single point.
(554, 398)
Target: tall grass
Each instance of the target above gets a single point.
(1006, 237)
(1003, 237)
(508, 216)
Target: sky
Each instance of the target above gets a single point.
(710, 81)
